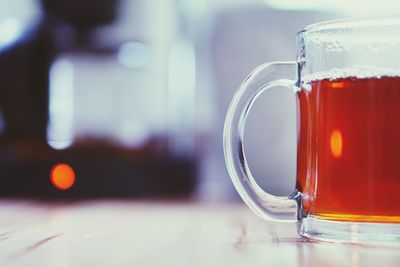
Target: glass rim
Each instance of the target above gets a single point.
(347, 24)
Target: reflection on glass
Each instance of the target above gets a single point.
(336, 143)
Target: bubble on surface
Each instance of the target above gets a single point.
(346, 42)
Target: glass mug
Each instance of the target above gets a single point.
(347, 87)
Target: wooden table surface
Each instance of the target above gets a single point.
(157, 233)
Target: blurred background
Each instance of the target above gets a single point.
(127, 98)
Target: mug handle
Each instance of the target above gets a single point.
(267, 206)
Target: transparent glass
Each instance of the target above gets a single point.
(347, 84)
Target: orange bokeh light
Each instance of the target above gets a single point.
(336, 142)
(62, 176)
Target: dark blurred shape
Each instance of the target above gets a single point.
(24, 69)
(102, 167)
(81, 15)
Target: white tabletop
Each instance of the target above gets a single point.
(164, 233)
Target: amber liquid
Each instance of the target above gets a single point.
(349, 149)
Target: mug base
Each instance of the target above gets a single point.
(387, 234)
